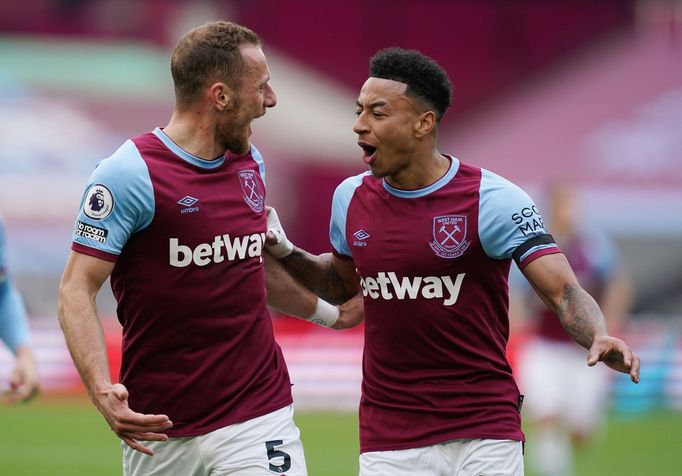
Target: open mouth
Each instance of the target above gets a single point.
(368, 152)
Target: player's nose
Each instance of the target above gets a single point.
(270, 96)
(360, 125)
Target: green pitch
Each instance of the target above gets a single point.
(66, 436)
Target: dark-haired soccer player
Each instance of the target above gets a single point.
(429, 240)
(177, 218)
(24, 381)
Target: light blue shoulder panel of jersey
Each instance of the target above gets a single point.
(255, 153)
(340, 202)
(507, 217)
(13, 323)
(126, 176)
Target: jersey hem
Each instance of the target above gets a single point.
(86, 250)
(341, 256)
(440, 439)
(230, 421)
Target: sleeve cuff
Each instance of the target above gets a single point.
(86, 250)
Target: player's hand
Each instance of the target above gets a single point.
(276, 240)
(616, 354)
(24, 381)
(130, 426)
(351, 313)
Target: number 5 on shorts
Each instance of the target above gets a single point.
(273, 453)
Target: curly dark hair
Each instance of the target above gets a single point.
(209, 53)
(424, 77)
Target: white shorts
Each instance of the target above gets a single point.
(557, 383)
(263, 446)
(454, 458)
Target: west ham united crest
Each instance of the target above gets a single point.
(253, 195)
(99, 202)
(449, 236)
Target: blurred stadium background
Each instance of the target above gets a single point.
(566, 91)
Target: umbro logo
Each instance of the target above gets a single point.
(361, 236)
(187, 202)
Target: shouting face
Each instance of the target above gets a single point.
(250, 100)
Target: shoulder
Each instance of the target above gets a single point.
(340, 204)
(348, 186)
(344, 193)
(118, 201)
(120, 180)
(123, 165)
(508, 218)
(492, 183)
(117, 178)
(258, 158)
(500, 196)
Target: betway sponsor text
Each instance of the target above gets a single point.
(386, 285)
(223, 247)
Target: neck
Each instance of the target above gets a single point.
(422, 172)
(195, 133)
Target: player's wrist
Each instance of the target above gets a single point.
(325, 314)
(276, 242)
(282, 248)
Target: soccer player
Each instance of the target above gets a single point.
(24, 381)
(176, 218)
(567, 403)
(429, 241)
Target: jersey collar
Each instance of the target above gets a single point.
(186, 156)
(420, 192)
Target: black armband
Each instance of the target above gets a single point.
(544, 239)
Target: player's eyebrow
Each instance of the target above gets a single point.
(372, 105)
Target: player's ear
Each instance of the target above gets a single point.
(425, 124)
(221, 95)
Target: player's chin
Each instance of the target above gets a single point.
(240, 147)
(377, 171)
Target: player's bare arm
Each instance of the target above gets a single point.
(290, 297)
(284, 293)
(553, 279)
(327, 276)
(83, 277)
(321, 274)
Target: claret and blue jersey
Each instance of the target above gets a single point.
(433, 265)
(186, 236)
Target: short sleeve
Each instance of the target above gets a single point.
(340, 203)
(510, 224)
(118, 201)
